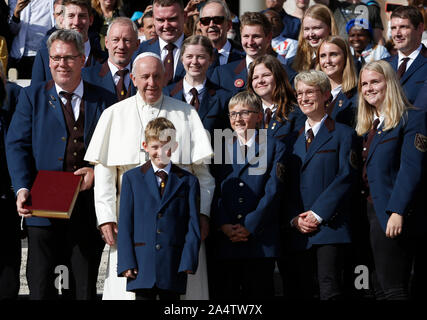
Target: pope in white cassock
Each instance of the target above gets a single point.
(116, 147)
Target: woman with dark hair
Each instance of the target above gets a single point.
(335, 60)
(394, 154)
(361, 40)
(268, 79)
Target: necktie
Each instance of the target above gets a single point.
(121, 88)
(68, 105)
(195, 100)
(402, 68)
(369, 138)
(267, 117)
(309, 138)
(168, 63)
(164, 177)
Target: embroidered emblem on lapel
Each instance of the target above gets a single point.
(420, 142)
(239, 83)
(52, 98)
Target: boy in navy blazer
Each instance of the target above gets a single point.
(159, 234)
(320, 170)
(245, 206)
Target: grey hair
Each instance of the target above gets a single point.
(123, 20)
(147, 54)
(221, 3)
(67, 36)
(314, 78)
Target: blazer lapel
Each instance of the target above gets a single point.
(418, 62)
(208, 100)
(173, 184)
(379, 136)
(54, 102)
(150, 180)
(323, 136)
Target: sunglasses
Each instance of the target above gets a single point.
(216, 20)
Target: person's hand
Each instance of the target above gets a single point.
(148, 8)
(240, 233)
(20, 5)
(204, 226)
(394, 225)
(189, 272)
(309, 217)
(302, 225)
(109, 232)
(227, 229)
(21, 198)
(88, 176)
(191, 8)
(131, 273)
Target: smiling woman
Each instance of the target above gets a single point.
(394, 153)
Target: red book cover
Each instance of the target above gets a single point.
(54, 194)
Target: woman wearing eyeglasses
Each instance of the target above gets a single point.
(394, 154)
(319, 174)
(268, 79)
(336, 61)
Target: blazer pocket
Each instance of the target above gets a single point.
(388, 140)
(139, 244)
(327, 151)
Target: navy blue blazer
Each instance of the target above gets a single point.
(421, 101)
(213, 110)
(37, 135)
(153, 45)
(413, 79)
(320, 180)
(396, 169)
(248, 194)
(236, 53)
(234, 76)
(100, 75)
(343, 108)
(160, 236)
(41, 69)
(280, 129)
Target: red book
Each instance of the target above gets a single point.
(54, 194)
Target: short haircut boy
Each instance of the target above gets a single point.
(256, 19)
(246, 98)
(160, 129)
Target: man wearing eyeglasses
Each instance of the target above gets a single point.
(169, 17)
(77, 16)
(50, 130)
(215, 22)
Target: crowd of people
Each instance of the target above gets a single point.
(214, 148)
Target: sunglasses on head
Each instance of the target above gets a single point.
(207, 20)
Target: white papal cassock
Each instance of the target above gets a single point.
(116, 147)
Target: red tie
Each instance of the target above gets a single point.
(168, 63)
(164, 177)
(267, 117)
(402, 68)
(309, 138)
(195, 100)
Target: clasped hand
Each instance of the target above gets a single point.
(235, 232)
(306, 222)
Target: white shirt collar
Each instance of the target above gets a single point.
(114, 69)
(166, 169)
(226, 48)
(177, 43)
(412, 56)
(316, 127)
(248, 61)
(248, 143)
(78, 91)
(381, 117)
(273, 107)
(187, 87)
(335, 92)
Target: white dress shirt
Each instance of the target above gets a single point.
(166, 169)
(186, 87)
(176, 51)
(224, 53)
(411, 57)
(116, 77)
(75, 100)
